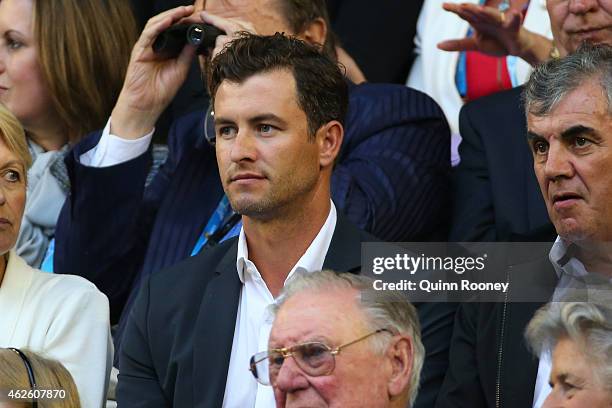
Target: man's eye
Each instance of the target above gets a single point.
(276, 360)
(581, 142)
(226, 131)
(265, 128)
(540, 147)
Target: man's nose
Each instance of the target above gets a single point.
(290, 377)
(558, 163)
(553, 400)
(583, 6)
(244, 147)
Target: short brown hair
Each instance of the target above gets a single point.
(13, 136)
(49, 375)
(322, 92)
(84, 48)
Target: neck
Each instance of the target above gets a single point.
(275, 245)
(596, 257)
(48, 139)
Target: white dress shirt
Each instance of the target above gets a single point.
(112, 150)
(254, 320)
(61, 317)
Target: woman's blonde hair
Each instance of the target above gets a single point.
(13, 136)
(49, 375)
(84, 48)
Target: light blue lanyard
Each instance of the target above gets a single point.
(222, 213)
(47, 263)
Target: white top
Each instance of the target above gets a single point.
(61, 317)
(254, 320)
(112, 150)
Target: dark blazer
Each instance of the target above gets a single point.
(391, 179)
(178, 340)
(495, 191)
(490, 365)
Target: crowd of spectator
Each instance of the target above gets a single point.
(169, 224)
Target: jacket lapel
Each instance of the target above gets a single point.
(214, 332)
(344, 254)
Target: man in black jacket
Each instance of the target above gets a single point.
(495, 193)
(569, 109)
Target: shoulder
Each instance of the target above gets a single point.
(193, 273)
(384, 98)
(60, 295)
(385, 108)
(65, 291)
(500, 103)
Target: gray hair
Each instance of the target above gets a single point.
(550, 82)
(389, 310)
(588, 325)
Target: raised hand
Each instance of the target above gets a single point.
(151, 83)
(497, 33)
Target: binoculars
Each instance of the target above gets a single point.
(171, 41)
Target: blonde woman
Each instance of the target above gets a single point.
(63, 317)
(22, 371)
(62, 64)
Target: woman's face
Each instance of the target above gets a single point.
(12, 196)
(573, 380)
(22, 88)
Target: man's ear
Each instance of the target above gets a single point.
(329, 137)
(401, 356)
(315, 32)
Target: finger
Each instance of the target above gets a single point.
(230, 26)
(186, 55)
(220, 44)
(463, 44)
(161, 22)
(466, 13)
(514, 20)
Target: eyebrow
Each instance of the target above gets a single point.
(265, 117)
(578, 130)
(13, 163)
(569, 133)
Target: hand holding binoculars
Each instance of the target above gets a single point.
(171, 42)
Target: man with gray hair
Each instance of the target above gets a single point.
(569, 114)
(350, 345)
(579, 336)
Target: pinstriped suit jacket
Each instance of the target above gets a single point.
(391, 180)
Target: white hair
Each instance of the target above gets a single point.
(384, 310)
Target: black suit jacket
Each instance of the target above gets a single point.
(495, 192)
(490, 365)
(178, 341)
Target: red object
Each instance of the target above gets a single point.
(485, 75)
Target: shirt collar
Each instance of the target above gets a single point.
(563, 259)
(311, 260)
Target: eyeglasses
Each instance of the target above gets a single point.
(314, 358)
(30, 371)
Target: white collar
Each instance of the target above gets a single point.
(310, 261)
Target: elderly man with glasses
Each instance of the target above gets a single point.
(349, 345)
